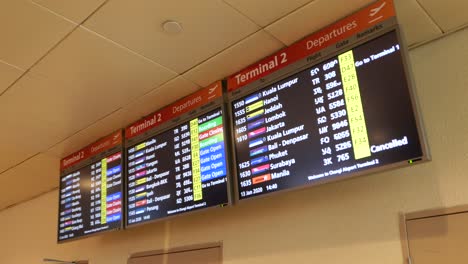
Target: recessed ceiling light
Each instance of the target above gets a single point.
(172, 27)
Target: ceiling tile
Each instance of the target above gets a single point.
(448, 15)
(417, 25)
(88, 135)
(86, 78)
(208, 28)
(75, 10)
(28, 32)
(264, 12)
(41, 173)
(150, 102)
(160, 97)
(313, 17)
(234, 59)
(8, 74)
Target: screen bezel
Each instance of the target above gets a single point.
(81, 165)
(168, 126)
(307, 62)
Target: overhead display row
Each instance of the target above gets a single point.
(337, 104)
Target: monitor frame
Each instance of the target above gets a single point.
(309, 61)
(168, 125)
(83, 164)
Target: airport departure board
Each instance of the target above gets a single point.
(342, 116)
(90, 194)
(180, 168)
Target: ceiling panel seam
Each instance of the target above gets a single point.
(39, 60)
(241, 13)
(95, 11)
(154, 90)
(127, 49)
(52, 11)
(311, 33)
(221, 51)
(116, 43)
(18, 164)
(110, 114)
(272, 22)
(292, 11)
(88, 126)
(273, 36)
(28, 199)
(443, 35)
(11, 65)
(429, 16)
(169, 69)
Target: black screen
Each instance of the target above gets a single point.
(91, 199)
(350, 113)
(180, 170)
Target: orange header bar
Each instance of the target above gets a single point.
(178, 108)
(91, 150)
(343, 29)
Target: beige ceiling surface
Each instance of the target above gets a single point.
(89, 67)
(8, 74)
(264, 12)
(209, 27)
(234, 58)
(449, 14)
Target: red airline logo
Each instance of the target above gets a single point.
(376, 10)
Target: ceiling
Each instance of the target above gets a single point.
(73, 71)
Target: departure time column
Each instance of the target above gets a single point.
(96, 205)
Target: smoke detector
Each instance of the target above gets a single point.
(171, 27)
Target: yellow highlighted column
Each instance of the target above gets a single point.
(357, 122)
(103, 191)
(195, 150)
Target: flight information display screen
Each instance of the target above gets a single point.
(90, 198)
(350, 113)
(179, 170)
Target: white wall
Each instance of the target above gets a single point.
(354, 221)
